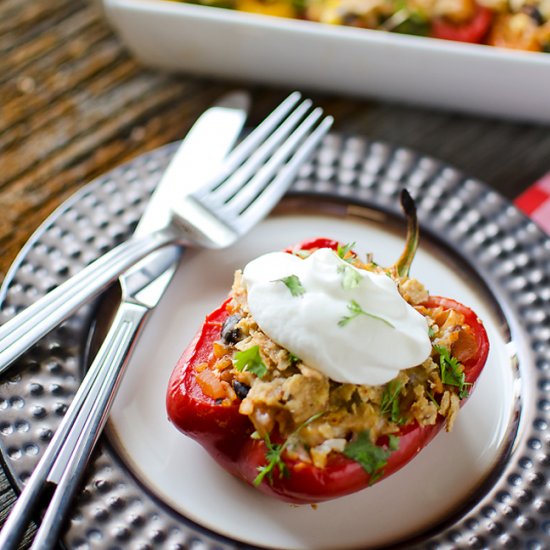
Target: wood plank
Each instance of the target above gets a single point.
(53, 94)
(137, 128)
(65, 104)
(17, 15)
(75, 39)
(42, 43)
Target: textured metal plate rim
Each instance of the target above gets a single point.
(506, 249)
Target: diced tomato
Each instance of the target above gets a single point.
(210, 385)
(474, 30)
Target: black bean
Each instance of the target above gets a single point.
(230, 333)
(534, 13)
(240, 389)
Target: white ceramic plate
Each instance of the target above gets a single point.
(179, 472)
(358, 62)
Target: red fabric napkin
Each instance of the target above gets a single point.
(535, 202)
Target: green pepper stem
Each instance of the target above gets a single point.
(403, 264)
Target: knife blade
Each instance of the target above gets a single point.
(197, 155)
(205, 145)
(143, 285)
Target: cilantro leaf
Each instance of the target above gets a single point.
(390, 401)
(355, 311)
(452, 372)
(351, 277)
(344, 249)
(293, 283)
(463, 393)
(371, 457)
(275, 452)
(251, 361)
(294, 359)
(274, 460)
(432, 398)
(393, 442)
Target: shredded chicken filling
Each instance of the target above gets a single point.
(290, 392)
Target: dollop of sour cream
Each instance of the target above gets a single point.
(350, 324)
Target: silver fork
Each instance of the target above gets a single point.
(243, 198)
(250, 183)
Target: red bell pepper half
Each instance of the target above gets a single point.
(226, 434)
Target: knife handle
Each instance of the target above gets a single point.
(26, 328)
(65, 458)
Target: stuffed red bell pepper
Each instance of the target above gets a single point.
(322, 373)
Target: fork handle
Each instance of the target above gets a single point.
(76, 435)
(34, 322)
(111, 361)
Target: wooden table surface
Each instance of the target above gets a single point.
(74, 104)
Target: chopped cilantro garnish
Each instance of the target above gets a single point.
(274, 460)
(299, 5)
(293, 283)
(351, 277)
(463, 393)
(452, 372)
(355, 310)
(393, 442)
(293, 358)
(412, 22)
(275, 452)
(431, 331)
(371, 457)
(344, 249)
(390, 401)
(251, 361)
(432, 398)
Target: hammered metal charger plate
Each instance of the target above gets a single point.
(507, 252)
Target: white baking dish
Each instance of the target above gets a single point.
(343, 60)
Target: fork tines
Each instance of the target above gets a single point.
(261, 168)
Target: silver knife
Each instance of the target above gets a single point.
(203, 146)
(64, 461)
